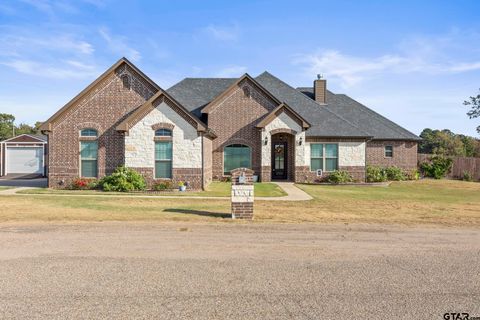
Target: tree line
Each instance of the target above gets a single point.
(445, 142)
(9, 129)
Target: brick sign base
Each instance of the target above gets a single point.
(242, 202)
(242, 193)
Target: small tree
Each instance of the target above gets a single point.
(474, 104)
(6, 126)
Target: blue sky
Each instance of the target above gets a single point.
(412, 61)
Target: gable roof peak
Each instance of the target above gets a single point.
(47, 125)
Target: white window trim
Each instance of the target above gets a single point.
(80, 159)
(385, 151)
(324, 157)
(155, 160)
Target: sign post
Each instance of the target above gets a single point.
(242, 193)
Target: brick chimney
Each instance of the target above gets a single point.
(320, 89)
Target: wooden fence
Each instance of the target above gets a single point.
(460, 165)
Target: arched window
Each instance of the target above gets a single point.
(236, 156)
(163, 133)
(88, 133)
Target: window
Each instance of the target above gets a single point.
(323, 156)
(236, 156)
(88, 159)
(316, 157)
(388, 151)
(88, 133)
(163, 159)
(163, 133)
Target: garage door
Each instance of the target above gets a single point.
(25, 160)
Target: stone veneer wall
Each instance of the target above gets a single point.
(186, 146)
(207, 161)
(284, 128)
(351, 158)
(101, 108)
(404, 154)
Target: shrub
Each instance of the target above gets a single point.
(413, 175)
(162, 185)
(376, 174)
(83, 184)
(123, 179)
(339, 176)
(467, 176)
(395, 174)
(437, 168)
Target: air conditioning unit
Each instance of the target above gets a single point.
(319, 172)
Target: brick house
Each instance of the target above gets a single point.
(201, 128)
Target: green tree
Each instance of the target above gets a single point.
(6, 126)
(24, 128)
(445, 142)
(37, 126)
(474, 103)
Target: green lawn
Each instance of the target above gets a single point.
(4, 188)
(215, 189)
(444, 202)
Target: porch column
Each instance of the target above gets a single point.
(266, 162)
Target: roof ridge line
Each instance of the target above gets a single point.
(389, 122)
(305, 97)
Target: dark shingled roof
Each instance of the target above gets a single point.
(341, 117)
(323, 122)
(368, 120)
(195, 93)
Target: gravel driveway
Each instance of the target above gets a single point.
(232, 271)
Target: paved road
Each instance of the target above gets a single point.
(236, 271)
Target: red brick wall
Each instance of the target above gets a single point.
(191, 175)
(404, 154)
(234, 120)
(102, 108)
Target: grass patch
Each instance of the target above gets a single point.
(4, 188)
(445, 202)
(215, 189)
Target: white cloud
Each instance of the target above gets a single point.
(223, 33)
(66, 70)
(231, 71)
(436, 55)
(22, 44)
(59, 56)
(119, 45)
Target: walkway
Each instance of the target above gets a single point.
(293, 194)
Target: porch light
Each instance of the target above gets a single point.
(300, 141)
(265, 141)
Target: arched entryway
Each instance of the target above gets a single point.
(283, 156)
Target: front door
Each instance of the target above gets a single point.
(279, 160)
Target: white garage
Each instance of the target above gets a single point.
(25, 160)
(23, 155)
